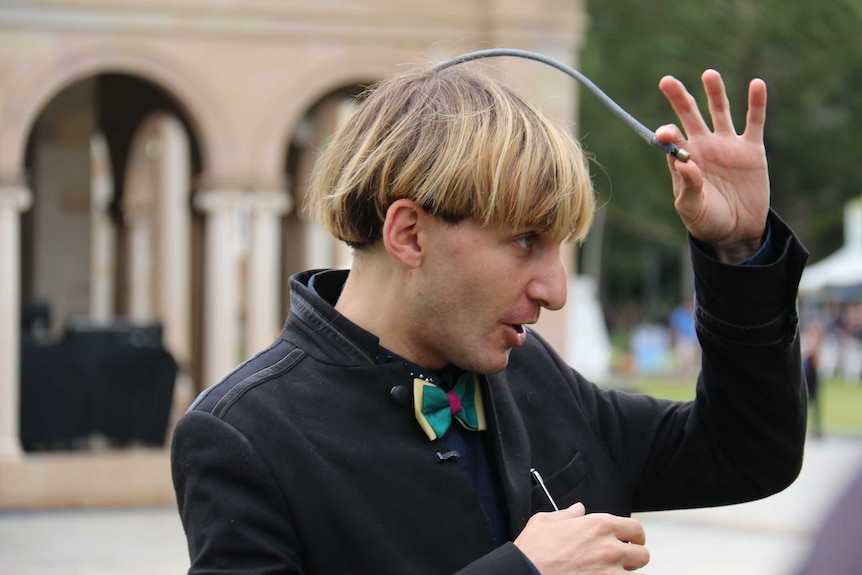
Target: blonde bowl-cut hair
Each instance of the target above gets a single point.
(461, 145)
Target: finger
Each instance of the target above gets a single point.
(670, 134)
(572, 511)
(684, 105)
(636, 556)
(685, 175)
(756, 117)
(719, 106)
(630, 530)
(687, 190)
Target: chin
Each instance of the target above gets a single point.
(492, 365)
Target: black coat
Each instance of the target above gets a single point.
(305, 461)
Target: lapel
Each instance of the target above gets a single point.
(512, 450)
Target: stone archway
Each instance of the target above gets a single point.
(109, 160)
(244, 76)
(22, 106)
(312, 246)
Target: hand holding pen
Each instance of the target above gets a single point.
(569, 541)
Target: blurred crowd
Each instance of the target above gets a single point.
(668, 347)
(832, 339)
(831, 342)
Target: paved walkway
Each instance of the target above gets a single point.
(766, 537)
(761, 538)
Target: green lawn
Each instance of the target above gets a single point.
(840, 403)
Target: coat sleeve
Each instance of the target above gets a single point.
(505, 560)
(232, 510)
(742, 437)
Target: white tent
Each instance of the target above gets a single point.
(842, 269)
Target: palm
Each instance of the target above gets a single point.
(722, 193)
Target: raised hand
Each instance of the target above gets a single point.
(722, 192)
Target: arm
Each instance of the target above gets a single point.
(231, 509)
(750, 407)
(742, 438)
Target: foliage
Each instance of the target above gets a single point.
(810, 55)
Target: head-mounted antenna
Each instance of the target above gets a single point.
(644, 132)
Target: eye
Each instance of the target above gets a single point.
(526, 241)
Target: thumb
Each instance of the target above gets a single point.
(688, 189)
(575, 510)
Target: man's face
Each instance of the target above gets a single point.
(475, 291)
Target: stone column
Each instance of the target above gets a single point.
(102, 234)
(138, 216)
(263, 286)
(173, 243)
(221, 282)
(13, 201)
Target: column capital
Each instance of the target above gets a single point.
(273, 201)
(218, 200)
(15, 197)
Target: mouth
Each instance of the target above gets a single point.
(520, 332)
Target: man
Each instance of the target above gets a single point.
(315, 456)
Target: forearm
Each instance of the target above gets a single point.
(751, 394)
(743, 436)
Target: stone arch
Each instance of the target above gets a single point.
(305, 91)
(26, 102)
(51, 83)
(275, 144)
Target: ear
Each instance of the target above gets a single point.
(401, 232)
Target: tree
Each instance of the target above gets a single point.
(810, 55)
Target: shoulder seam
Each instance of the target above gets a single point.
(257, 378)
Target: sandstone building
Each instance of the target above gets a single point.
(153, 164)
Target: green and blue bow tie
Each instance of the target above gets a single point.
(435, 408)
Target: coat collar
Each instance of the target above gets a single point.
(332, 336)
(325, 333)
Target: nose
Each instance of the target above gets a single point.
(549, 287)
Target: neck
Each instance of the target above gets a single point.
(376, 297)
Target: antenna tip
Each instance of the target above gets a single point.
(681, 154)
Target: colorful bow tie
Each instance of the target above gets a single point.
(435, 408)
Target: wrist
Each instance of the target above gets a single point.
(736, 252)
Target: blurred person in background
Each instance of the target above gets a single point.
(686, 349)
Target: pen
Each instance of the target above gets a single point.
(538, 477)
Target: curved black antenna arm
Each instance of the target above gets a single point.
(641, 130)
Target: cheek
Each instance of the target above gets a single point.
(472, 288)
(455, 305)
